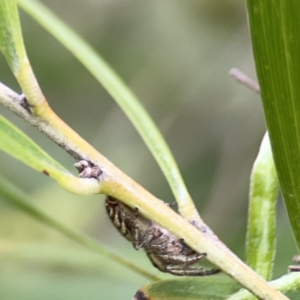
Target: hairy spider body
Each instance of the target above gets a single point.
(166, 252)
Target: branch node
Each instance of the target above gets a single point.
(22, 101)
(87, 169)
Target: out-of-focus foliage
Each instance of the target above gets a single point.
(175, 55)
(205, 288)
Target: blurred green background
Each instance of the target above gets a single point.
(175, 55)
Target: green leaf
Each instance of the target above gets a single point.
(275, 36)
(16, 198)
(11, 41)
(188, 289)
(17, 144)
(13, 48)
(121, 94)
(261, 239)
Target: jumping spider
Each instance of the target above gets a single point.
(166, 252)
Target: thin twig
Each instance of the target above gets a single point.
(245, 80)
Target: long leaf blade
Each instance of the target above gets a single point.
(11, 40)
(13, 48)
(15, 143)
(188, 289)
(275, 35)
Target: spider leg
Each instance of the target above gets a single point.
(180, 265)
(180, 259)
(140, 238)
(141, 241)
(190, 271)
(119, 221)
(137, 238)
(157, 246)
(176, 248)
(136, 231)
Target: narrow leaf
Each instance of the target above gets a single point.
(188, 289)
(262, 212)
(275, 36)
(13, 48)
(11, 41)
(17, 144)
